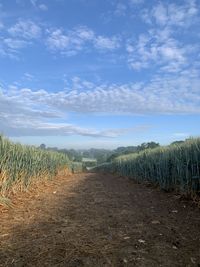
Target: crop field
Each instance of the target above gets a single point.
(174, 167)
(95, 219)
(99, 133)
(21, 165)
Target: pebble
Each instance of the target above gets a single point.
(175, 211)
(155, 222)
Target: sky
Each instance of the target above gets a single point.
(99, 73)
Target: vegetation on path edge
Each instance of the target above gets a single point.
(174, 167)
(21, 165)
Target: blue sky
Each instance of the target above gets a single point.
(91, 73)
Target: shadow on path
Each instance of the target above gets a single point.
(100, 220)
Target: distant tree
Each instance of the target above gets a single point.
(43, 146)
(86, 154)
(150, 145)
(121, 151)
(177, 142)
(77, 158)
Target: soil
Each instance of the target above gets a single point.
(99, 220)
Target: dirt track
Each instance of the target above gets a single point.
(99, 220)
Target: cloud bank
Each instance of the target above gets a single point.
(24, 111)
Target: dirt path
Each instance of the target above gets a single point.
(99, 220)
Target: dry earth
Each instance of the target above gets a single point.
(99, 220)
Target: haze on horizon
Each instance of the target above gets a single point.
(90, 73)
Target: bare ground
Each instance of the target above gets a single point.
(99, 220)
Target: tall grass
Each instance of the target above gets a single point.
(76, 167)
(22, 165)
(175, 167)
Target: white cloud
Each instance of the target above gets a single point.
(27, 76)
(69, 43)
(138, 65)
(166, 46)
(43, 7)
(22, 120)
(27, 126)
(102, 42)
(33, 2)
(172, 52)
(172, 14)
(36, 5)
(84, 33)
(14, 43)
(57, 40)
(182, 15)
(27, 112)
(167, 94)
(9, 47)
(130, 48)
(159, 48)
(160, 14)
(120, 9)
(26, 29)
(17, 37)
(74, 41)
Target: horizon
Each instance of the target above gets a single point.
(86, 148)
(99, 74)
